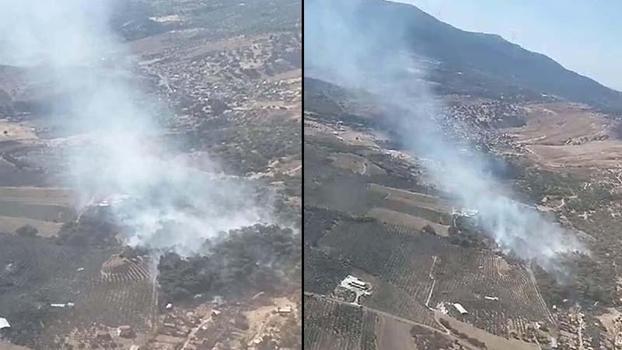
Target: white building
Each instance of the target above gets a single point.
(4, 323)
(355, 282)
(464, 212)
(460, 309)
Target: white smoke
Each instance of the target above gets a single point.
(350, 46)
(117, 153)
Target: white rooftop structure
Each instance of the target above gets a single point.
(464, 212)
(114, 199)
(460, 309)
(284, 310)
(4, 323)
(358, 286)
(355, 282)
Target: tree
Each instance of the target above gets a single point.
(27, 231)
(428, 229)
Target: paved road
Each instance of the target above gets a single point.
(427, 302)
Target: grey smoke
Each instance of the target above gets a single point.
(115, 154)
(353, 48)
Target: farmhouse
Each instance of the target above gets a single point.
(356, 282)
(356, 285)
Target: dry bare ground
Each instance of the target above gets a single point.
(569, 136)
(46, 209)
(492, 342)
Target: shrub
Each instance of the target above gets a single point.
(27, 231)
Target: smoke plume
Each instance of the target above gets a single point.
(347, 44)
(114, 146)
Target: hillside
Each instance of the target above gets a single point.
(481, 64)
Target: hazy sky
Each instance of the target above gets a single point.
(582, 35)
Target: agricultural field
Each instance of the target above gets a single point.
(372, 225)
(323, 272)
(62, 274)
(513, 303)
(392, 229)
(45, 209)
(337, 326)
